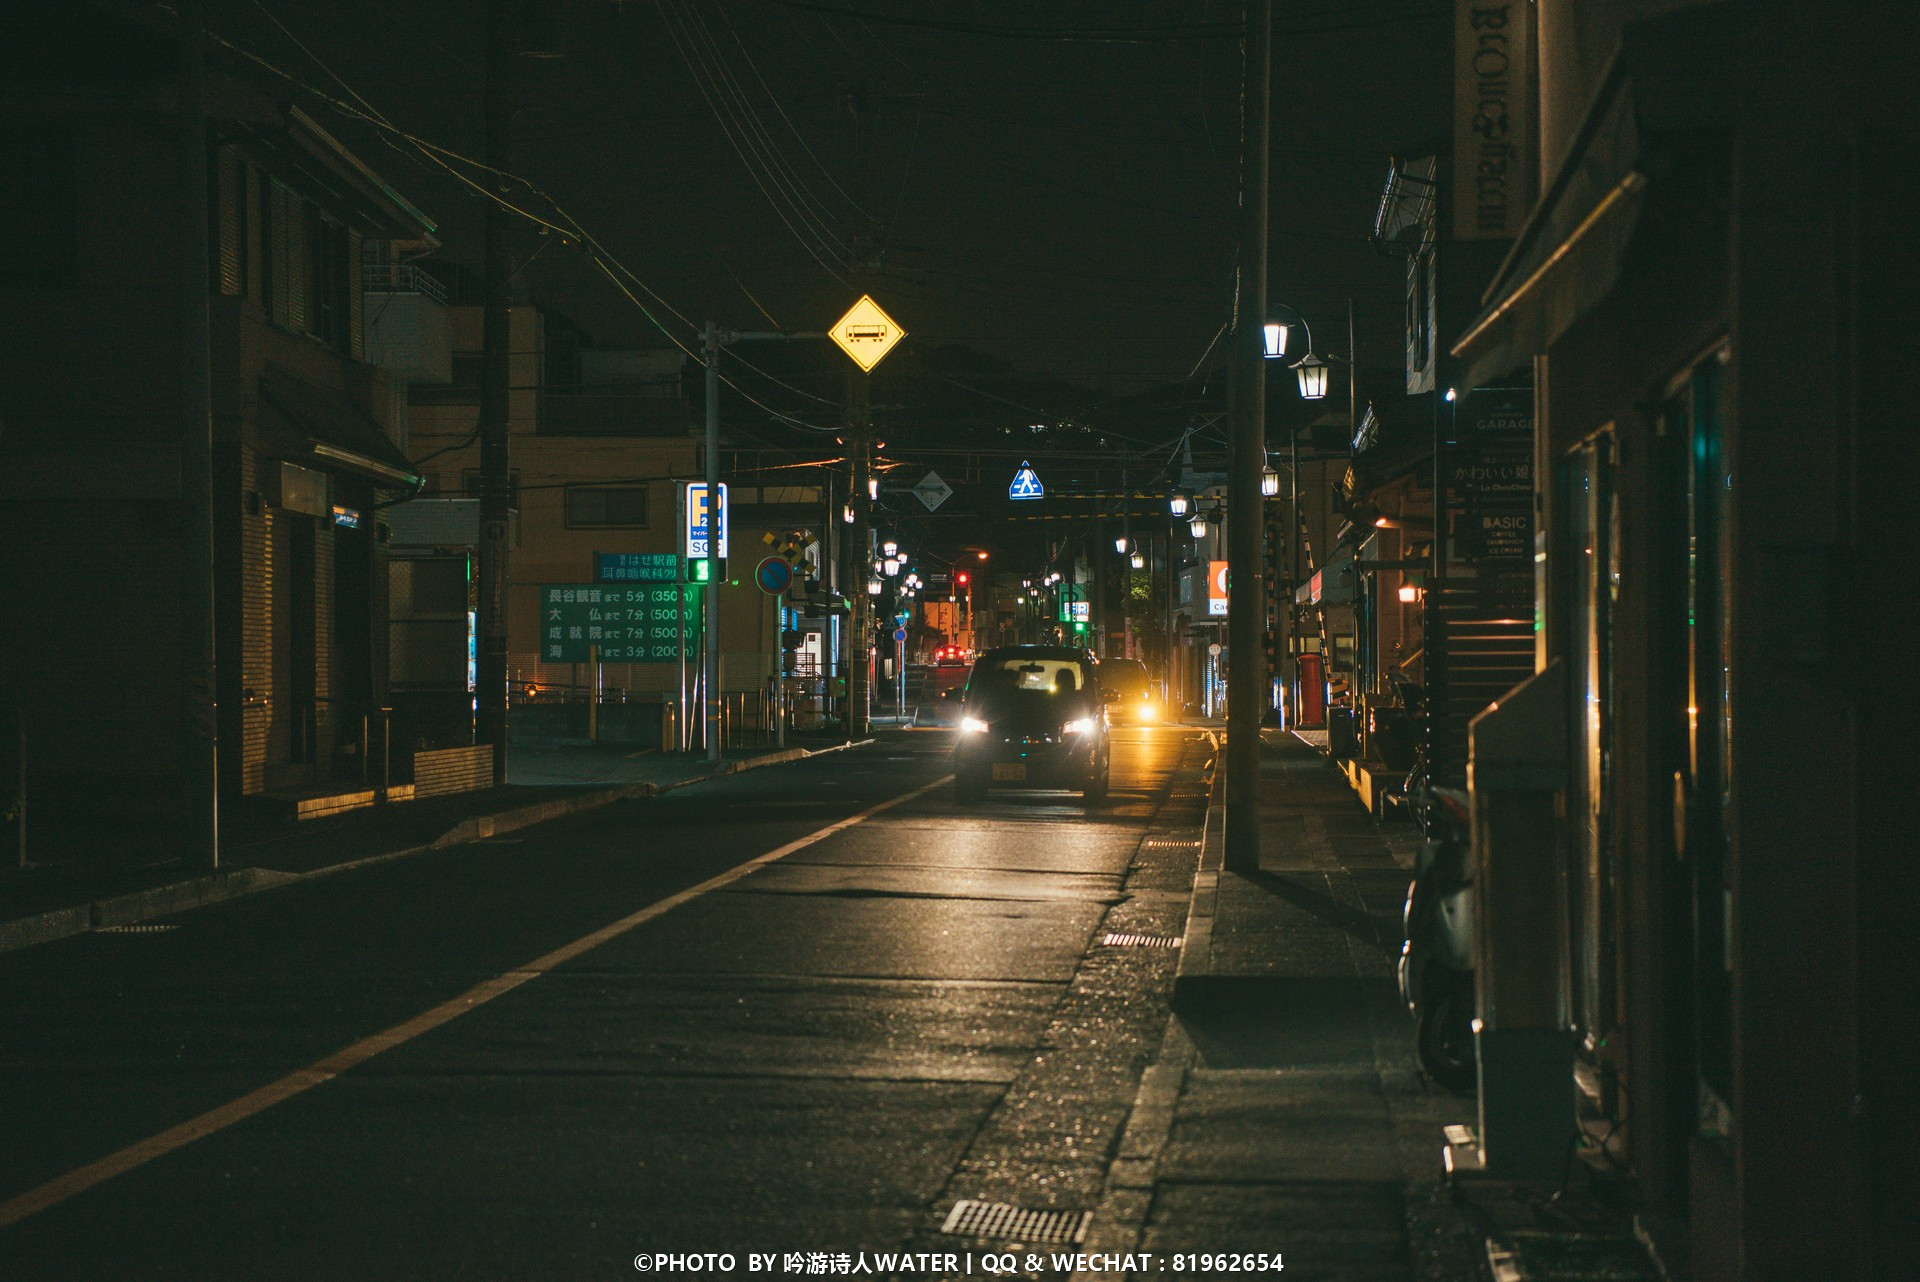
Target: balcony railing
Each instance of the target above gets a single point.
(401, 278)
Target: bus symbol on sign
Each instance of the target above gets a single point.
(866, 333)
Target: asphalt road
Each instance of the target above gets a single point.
(821, 1052)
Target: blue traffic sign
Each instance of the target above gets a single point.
(1026, 484)
(774, 575)
(899, 634)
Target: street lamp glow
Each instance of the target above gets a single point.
(873, 487)
(1198, 525)
(846, 513)
(873, 587)
(981, 555)
(1273, 338)
(1313, 379)
(1120, 545)
(1269, 481)
(1177, 505)
(889, 548)
(890, 566)
(1139, 560)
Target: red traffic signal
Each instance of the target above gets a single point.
(961, 578)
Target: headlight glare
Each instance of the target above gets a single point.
(1079, 725)
(972, 725)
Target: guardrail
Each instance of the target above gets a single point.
(400, 278)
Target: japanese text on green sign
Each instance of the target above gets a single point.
(629, 624)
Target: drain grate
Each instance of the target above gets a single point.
(134, 930)
(1170, 843)
(999, 1220)
(1141, 941)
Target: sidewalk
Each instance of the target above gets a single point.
(1293, 1117)
(103, 863)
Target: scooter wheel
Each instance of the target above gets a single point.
(1444, 1036)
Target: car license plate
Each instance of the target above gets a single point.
(1011, 772)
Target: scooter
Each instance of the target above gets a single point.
(1436, 961)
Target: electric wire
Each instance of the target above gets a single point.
(603, 259)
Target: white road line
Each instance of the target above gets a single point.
(74, 1182)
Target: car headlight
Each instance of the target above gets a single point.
(1079, 725)
(1147, 712)
(972, 725)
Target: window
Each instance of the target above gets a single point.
(1693, 421)
(328, 316)
(1591, 563)
(607, 505)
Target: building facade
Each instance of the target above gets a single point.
(1708, 299)
(306, 431)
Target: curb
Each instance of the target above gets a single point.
(182, 896)
(1196, 950)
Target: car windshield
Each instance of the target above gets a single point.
(1127, 676)
(1020, 678)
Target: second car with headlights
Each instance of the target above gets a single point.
(1032, 716)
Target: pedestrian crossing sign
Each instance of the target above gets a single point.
(1026, 484)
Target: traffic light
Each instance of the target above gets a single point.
(961, 578)
(697, 569)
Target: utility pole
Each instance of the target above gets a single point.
(710, 342)
(200, 715)
(860, 607)
(1245, 610)
(490, 661)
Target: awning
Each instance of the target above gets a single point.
(1671, 81)
(318, 427)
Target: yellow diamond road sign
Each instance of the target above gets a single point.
(866, 333)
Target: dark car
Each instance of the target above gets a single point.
(1129, 692)
(1032, 716)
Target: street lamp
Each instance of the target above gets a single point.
(1139, 559)
(873, 587)
(889, 548)
(1313, 379)
(1269, 481)
(1198, 525)
(1273, 338)
(873, 487)
(1120, 545)
(890, 566)
(1177, 504)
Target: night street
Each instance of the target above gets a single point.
(826, 1051)
(1078, 641)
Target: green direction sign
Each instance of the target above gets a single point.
(636, 567)
(1073, 608)
(638, 624)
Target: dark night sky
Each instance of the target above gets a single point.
(1066, 204)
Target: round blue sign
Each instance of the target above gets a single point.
(773, 575)
(899, 634)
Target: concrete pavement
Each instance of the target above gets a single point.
(106, 871)
(992, 988)
(1284, 1113)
